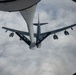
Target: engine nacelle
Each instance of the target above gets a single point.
(11, 34)
(55, 37)
(66, 32)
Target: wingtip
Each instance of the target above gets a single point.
(2, 27)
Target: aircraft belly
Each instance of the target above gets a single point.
(16, 5)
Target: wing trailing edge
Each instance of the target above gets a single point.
(43, 36)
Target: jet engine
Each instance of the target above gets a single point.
(55, 37)
(11, 34)
(66, 32)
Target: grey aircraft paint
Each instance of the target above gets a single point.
(16, 5)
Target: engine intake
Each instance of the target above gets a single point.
(11, 34)
(66, 32)
(55, 37)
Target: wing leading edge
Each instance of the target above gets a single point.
(13, 30)
(46, 34)
(21, 34)
(42, 37)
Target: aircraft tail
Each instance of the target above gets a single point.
(41, 24)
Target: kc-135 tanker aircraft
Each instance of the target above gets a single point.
(27, 10)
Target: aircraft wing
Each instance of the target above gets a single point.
(40, 24)
(59, 30)
(46, 34)
(20, 32)
(13, 30)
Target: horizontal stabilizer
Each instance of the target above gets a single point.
(36, 24)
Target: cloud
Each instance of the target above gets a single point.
(54, 57)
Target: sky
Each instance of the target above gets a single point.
(55, 57)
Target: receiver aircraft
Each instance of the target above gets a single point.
(37, 35)
(40, 37)
(27, 10)
(22, 34)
